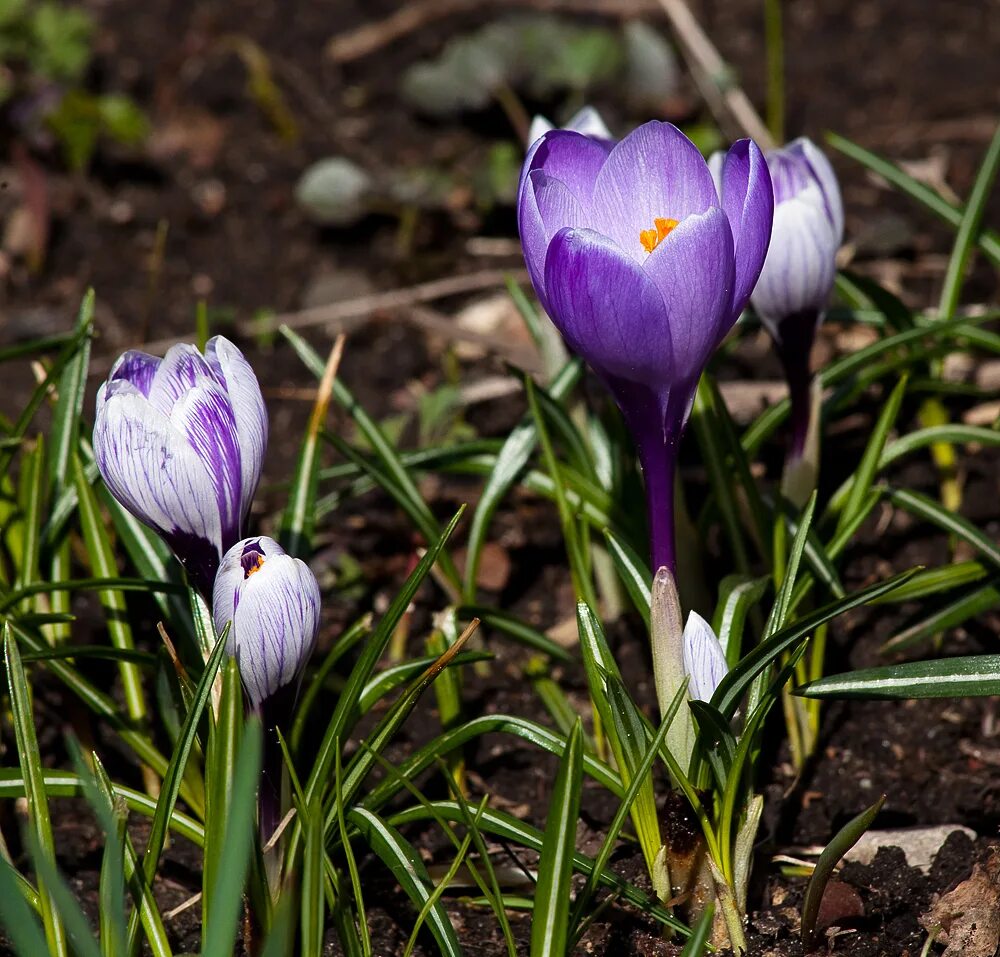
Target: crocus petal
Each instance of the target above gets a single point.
(800, 269)
(547, 206)
(540, 125)
(240, 383)
(273, 605)
(571, 157)
(704, 660)
(136, 367)
(748, 200)
(204, 416)
(608, 309)
(825, 177)
(590, 123)
(182, 368)
(152, 470)
(655, 172)
(693, 269)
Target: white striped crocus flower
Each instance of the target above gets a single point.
(271, 603)
(179, 442)
(704, 660)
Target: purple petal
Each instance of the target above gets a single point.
(547, 205)
(748, 200)
(825, 177)
(704, 660)
(136, 367)
(274, 625)
(608, 309)
(800, 268)
(571, 157)
(239, 381)
(693, 269)
(182, 368)
(205, 418)
(656, 172)
(153, 472)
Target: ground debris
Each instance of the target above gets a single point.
(969, 915)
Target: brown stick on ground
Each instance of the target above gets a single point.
(372, 37)
(351, 313)
(727, 101)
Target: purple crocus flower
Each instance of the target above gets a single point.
(644, 269)
(179, 442)
(798, 275)
(271, 602)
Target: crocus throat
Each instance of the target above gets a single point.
(651, 238)
(252, 559)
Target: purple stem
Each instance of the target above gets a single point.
(656, 433)
(794, 345)
(274, 713)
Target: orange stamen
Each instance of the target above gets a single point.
(258, 564)
(651, 238)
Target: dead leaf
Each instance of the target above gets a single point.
(969, 915)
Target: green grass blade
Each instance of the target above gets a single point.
(402, 859)
(386, 454)
(972, 676)
(509, 464)
(989, 241)
(103, 565)
(65, 429)
(633, 572)
(234, 855)
(221, 758)
(727, 695)
(346, 711)
(843, 841)
(16, 916)
(951, 615)
(175, 771)
(968, 229)
(927, 509)
(514, 628)
(38, 808)
(550, 921)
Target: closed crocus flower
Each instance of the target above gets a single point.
(704, 660)
(798, 275)
(644, 269)
(179, 442)
(271, 602)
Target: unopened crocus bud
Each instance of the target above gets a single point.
(643, 268)
(704, 660)
(179, 442)
(794, 287)
(271, 602)
(587, 122)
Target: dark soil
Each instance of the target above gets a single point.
(915, 81)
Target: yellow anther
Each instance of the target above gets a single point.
(651, 238)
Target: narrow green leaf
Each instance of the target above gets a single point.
(33, 499)
(927, 509)
(952, 615)
(968, 229)
(727, 695)
(549, 925)
(510, 462)
(30, 760)
(633, 572)
(989, 241)
(845, 839)
(234, 855)
(514, 628)
(701, 934)
(65, 429)
(737, 595)
(971, 676)
(16, 916)
(402, 859)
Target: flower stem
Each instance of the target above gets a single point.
(793, 347)
(656, 436)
